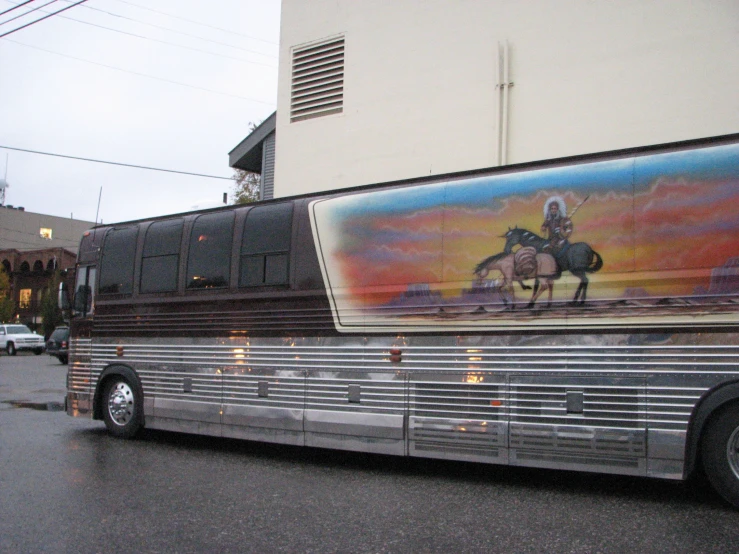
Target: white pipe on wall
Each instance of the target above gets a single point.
(506, 85)
(498, 102)
(502, 101)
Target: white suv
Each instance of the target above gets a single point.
(16, 337)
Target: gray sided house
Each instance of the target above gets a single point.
(256, 153)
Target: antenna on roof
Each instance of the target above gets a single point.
(98, 210)
(4, 182)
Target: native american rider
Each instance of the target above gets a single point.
(557, 227)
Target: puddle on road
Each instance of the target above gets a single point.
(43, 406)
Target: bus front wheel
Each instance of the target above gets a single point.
(720, 452)
(121, 407)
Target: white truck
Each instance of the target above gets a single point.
(17, 337)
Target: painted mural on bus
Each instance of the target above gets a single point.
(648, 239)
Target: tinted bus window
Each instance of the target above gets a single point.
(116, 265)
(84, 297)
(265, 246)
(161, 258)
(209, 260)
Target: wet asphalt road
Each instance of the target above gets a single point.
(65, 486)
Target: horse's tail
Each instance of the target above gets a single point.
(593, 267)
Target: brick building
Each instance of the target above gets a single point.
(32, 247)
(30, 273)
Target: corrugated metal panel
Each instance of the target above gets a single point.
(268, 168)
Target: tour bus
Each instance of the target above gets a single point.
(578, 314)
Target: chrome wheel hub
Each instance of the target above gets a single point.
(120, 404)
(732, 452)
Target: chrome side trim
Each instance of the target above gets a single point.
(595, 402)
(380, 426)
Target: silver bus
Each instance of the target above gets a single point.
(578, 313)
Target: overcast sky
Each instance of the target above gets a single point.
(134, 99)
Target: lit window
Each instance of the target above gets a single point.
(25, 299)
(45, 233)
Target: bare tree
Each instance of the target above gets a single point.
(246, 186)
(7, 307)
(50, 312)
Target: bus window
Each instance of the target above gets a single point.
(265, 246)
(161, 257)
(85, 291)
(209, 258)
(116, 265)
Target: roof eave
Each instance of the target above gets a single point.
(248, 154)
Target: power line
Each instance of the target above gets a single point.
(142, 74)
(26, 13)
(114, 163)
(17, 6)
(112, 14)
(143, 37)
(196, 22)
(166, 42)
(42, 18)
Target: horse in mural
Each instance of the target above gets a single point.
(577, 258)
(526, 263)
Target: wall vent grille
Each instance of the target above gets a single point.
(317, 87)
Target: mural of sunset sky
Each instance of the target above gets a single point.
(661, 224)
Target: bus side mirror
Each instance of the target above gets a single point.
(64, 303)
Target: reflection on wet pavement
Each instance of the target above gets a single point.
(45, 406)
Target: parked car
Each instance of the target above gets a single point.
(17, 337)
(57, 344)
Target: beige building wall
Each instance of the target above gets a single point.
(22, 230)
(420, 95)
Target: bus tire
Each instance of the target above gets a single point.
(122, 407)
(720, 452)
